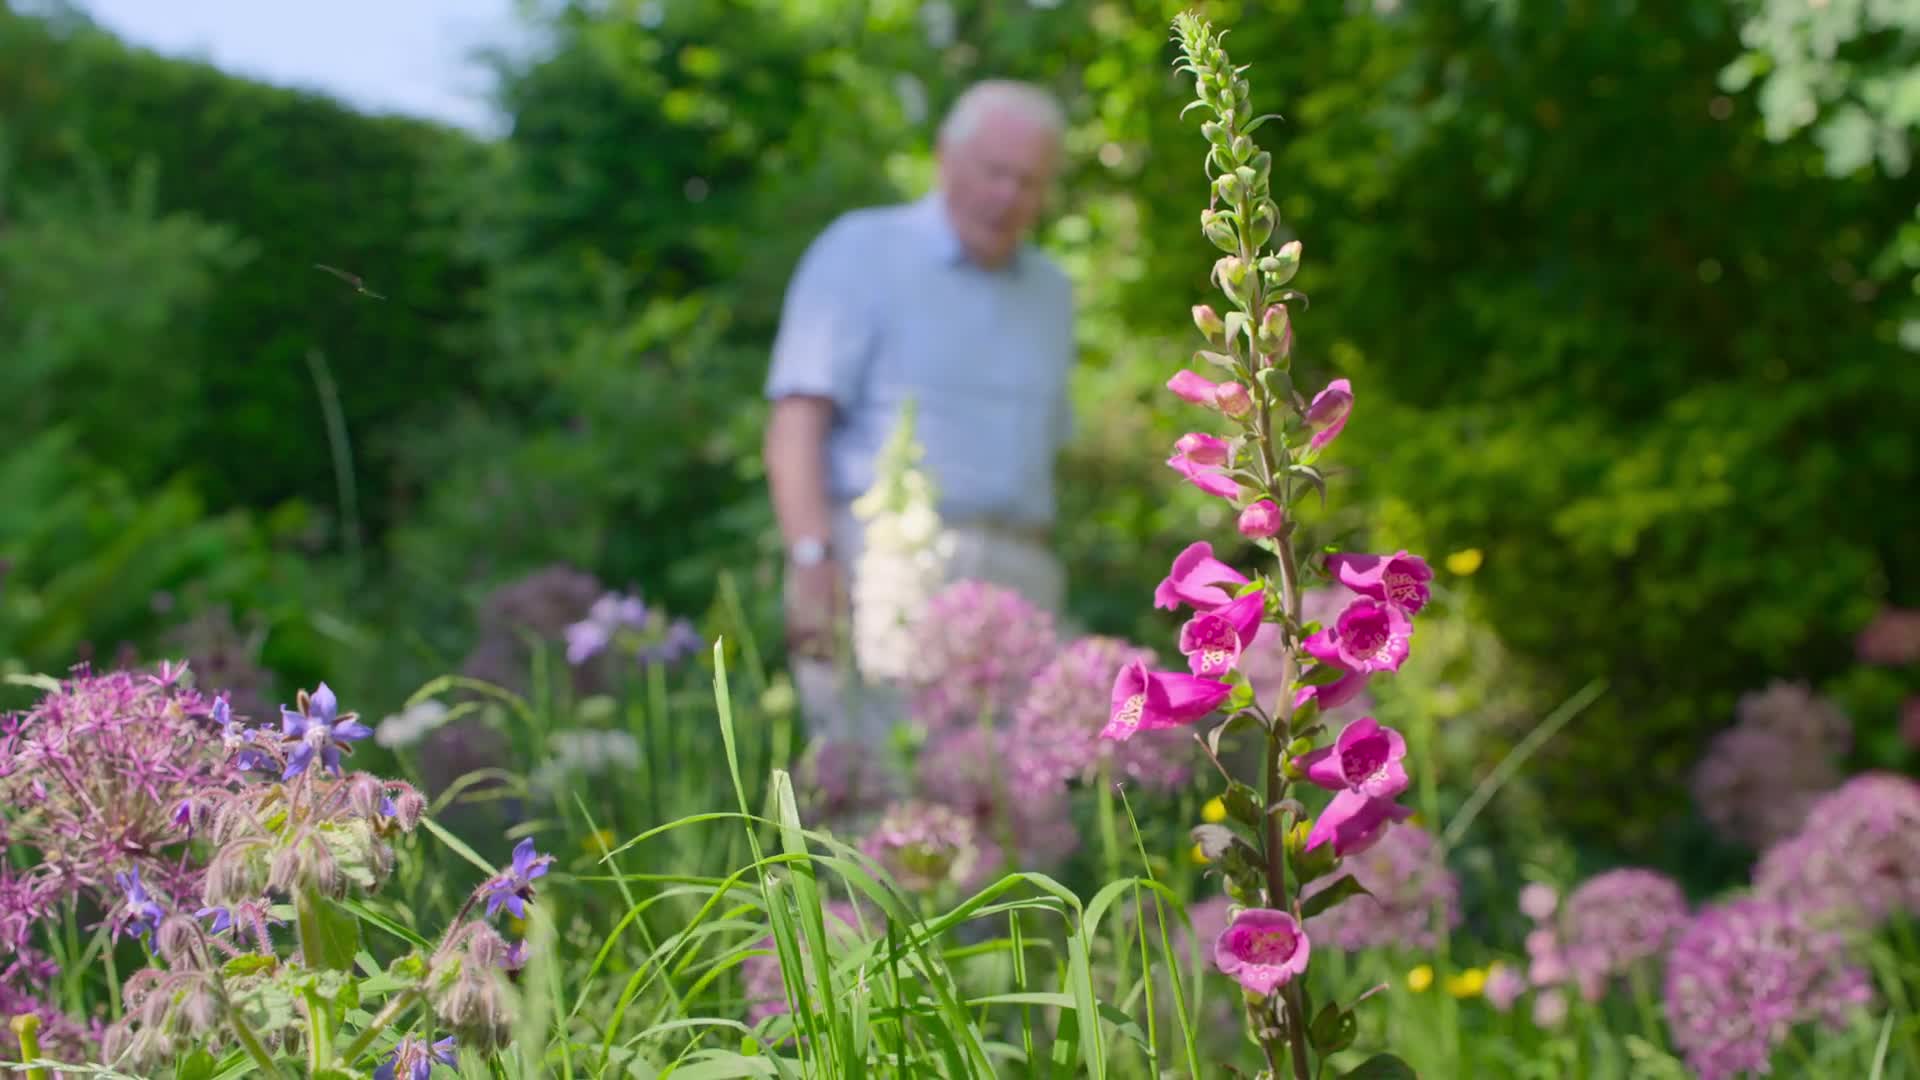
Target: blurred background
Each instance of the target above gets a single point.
(371, 342)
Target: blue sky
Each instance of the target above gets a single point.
(406, 56)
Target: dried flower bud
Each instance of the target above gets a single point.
(408, 807)
(1232, 399)
(1261, 520)
(284, 873)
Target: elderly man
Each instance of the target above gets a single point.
(944, 302)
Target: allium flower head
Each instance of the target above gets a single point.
(413, 1059)
(1538, 901)
(1406, 880)
(845, 780)
(314, 728)
(1856, 861)
(1742, 974)
(1368, 637)
(1058, 723)
(925, 845)
(1262, 949)
(1618, 919)
(976, 647)
(1892, 638)
(1504, 986)
(513, 887)
(1400, 579)
(974, 770)
(1759, 779)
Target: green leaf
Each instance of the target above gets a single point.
(1381, 1067)
(198, 1065)
(1243, 803)
(1216, 359)
(1277, 383)
(329, 937)
(1333, 1029)
(249, 964)
(1340, 890)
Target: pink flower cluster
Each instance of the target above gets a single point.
(976, 649)
(1743, 974)
(1759, 778)
(1856, 862)
(1613, 922)
(1056, 728)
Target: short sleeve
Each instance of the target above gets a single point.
(826, 325)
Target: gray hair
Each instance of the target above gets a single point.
(1027, 100)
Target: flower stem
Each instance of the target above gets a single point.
(380, 1022)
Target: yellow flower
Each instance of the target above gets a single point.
(1464, 562)
(1199, 856)
(1468, 983)
(1420, 978)
(1214, 812)
(598, 842)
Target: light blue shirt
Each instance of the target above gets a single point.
(885, 305)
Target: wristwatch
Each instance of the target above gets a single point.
(807, 551)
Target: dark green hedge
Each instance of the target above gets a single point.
(301, 180)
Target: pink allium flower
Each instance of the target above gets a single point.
(1193, 387)
(1892, 638)
(1144, 700)
(925, 845)
(845, 779)
(1213, 640)
(1857, 860)
(1399, 579)
(1057, 724)
(1202, 459)
(1353, 823)
(1538, 901)
(94, 775)
(1550, 1009)
(1547, 964)
(1261, 520)
(1262, 949)
(1366, 760)
(1406, 881)
(1743, 974)
(976, 647)
(1327, 413)
(975, 771)
(1198, 580)
(1616, 920)
(1504, 986)
(1369, 636)
(1758, 779)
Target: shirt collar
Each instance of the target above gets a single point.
(931, 211)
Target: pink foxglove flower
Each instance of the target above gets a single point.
(1195, 388)
(1213, 640)
(1328, 412)
(1233, 399)
(1353, 823)
(1399, 579)
(1196, 580)
(1146, 700)
(1366, 760)
(1262, 949)
(1202, 460)
(1369, 636)
(1334, 694)
(1261, 520)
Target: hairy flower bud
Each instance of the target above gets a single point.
(320, 871)
(1208, 322)
(364, 795)
(283, 874)
(1276, 332)
(1261, 520)
(408, 806)
(1232, 399)
(199, 1011)
(174, 941)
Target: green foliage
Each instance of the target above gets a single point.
(292, 178)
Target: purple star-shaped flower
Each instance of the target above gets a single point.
(141, 913)
(413, 1059)
(514, 888)
(319, 729)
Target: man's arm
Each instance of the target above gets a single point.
(796, 453)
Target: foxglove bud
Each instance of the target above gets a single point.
(1208, 322)
(1201, 449)
(1232, 399)
(1262, 165)
(1218, 227)
(1242, 147)
(1230, 273)
(1261, 520)
(1214, 132)
(1280, 266)
(1276, 332)
(1265, 217)
(1229, 188)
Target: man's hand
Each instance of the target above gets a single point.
(816, 599)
